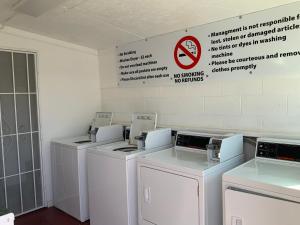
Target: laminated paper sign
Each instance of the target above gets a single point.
(264, 43)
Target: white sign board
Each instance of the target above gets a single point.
(262, 43)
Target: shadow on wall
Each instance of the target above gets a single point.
(249, 147)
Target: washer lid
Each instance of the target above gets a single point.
(76, 142)
(111, 150)
(269, 175)
(80, 143)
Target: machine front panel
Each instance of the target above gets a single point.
(168, 199)
(242, 208)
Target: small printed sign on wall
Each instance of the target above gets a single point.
(265, 43)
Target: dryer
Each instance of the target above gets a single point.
(182, 185)
(266, 189)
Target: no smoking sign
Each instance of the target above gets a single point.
(187, 52)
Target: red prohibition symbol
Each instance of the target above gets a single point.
(190, 47)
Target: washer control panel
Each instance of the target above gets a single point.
(192, 141)
(280, 151)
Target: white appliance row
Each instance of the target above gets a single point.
(144, 180)
(169, 185)
(69, 163)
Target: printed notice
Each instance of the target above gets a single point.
(264, 43)
(225, 45)
(134, 66)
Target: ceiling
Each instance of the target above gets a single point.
(101, 24)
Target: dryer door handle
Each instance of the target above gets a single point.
(147, 195)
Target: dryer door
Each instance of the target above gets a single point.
(168, 199)
(242, 208)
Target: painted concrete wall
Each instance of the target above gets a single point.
(256, 106)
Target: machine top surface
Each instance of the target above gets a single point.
(76, 142)
(280, 177)
(114, 150)
(189, 154)
(274, 168)
(180, 159)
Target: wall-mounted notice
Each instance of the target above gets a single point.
(262, 43)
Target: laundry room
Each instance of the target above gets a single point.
(131, 112)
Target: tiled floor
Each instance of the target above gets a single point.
(47, 216)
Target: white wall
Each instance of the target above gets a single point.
(68, 81)
(256, 106)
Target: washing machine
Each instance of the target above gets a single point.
(6, 218)
(69, 170)
(183, 185)
(112, 174)
(266, 189)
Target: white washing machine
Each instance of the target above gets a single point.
(265, 190)
(112, 175)
(183, 185)
(7, 218)
(69, 170)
